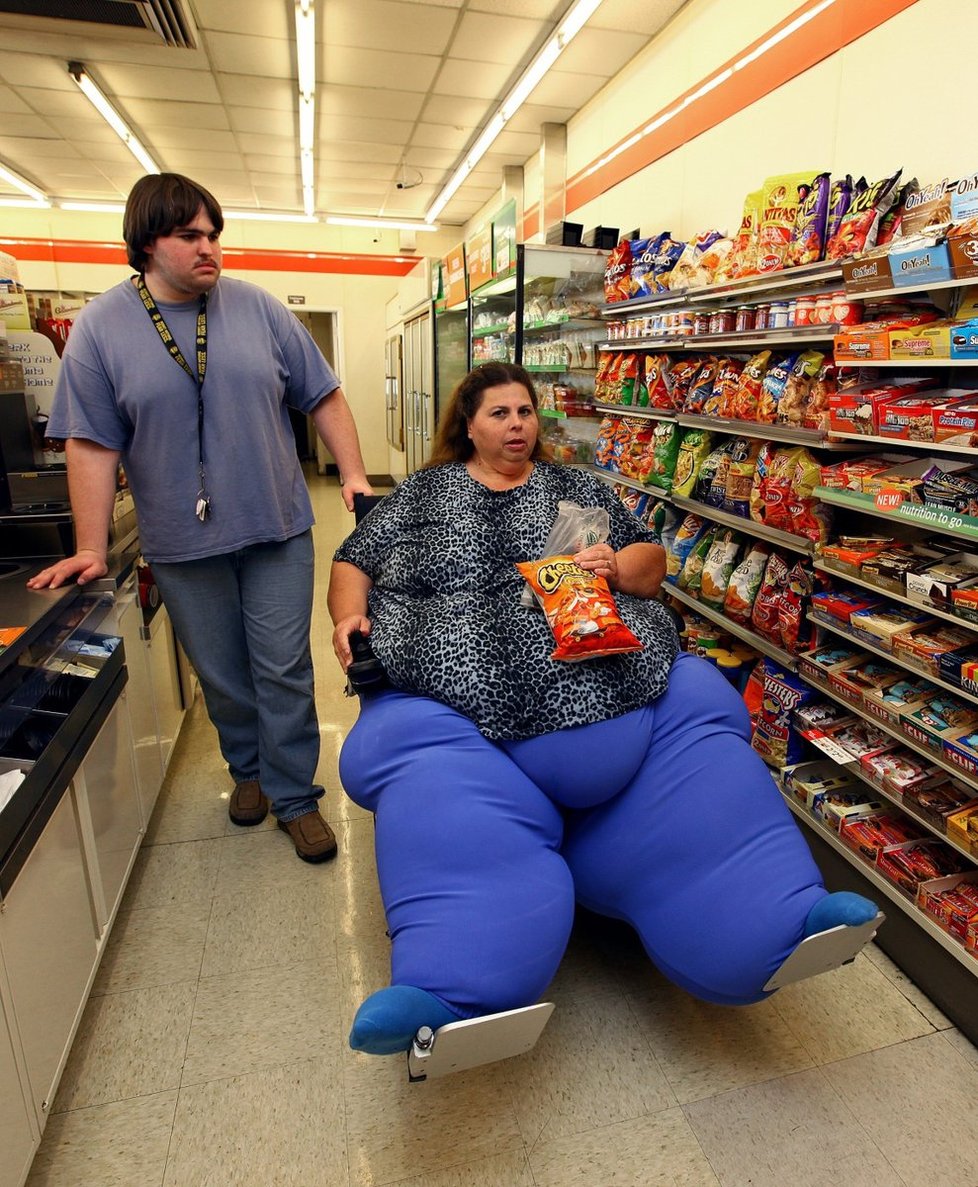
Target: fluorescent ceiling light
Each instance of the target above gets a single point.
(25, 204)
(95, 207)
(574, 20)
(111, 116)
(305, 46)
(305, 50)
(390, 224)
(271, 216)
(21, 183)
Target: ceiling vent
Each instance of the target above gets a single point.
(163, 19)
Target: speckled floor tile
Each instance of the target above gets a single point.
(128, 1044)
(165, 875)
(962, 1045)
(502, 1170)
(395, 1128)
(915, 996)
(656, 1151)
(122, 1144)
(793, 1130)
(262, 1018)
(159, 946)
(705, 1049)
(849, 1010)
(612, 1077)
(273, 927)
(917, 1101)
(256, 861)
(279, 1127)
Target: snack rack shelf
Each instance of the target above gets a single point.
(748, 527)
(745, 340)
(900, 442)
(919, 515)
(787, 434)
(894, 597)
(835, 628)
(884, 886)
(644, 413)
(614, 479)
(771, 650)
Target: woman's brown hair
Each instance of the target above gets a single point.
(159, 203)
(452, 441)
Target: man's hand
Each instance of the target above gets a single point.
(354, 486)
(86, 565)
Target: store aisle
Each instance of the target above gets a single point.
(213, 1050)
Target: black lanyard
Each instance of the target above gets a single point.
(203, 506)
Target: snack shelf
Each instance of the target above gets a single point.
(500, 328)
(789, 336)
(803, 278)
(557, 369)
(748, 526)
(629, 410)
(614, 479)
(892, 442)
(877, 723)
(905, 290)
(788, 434)
(920, 515)
(758, 642)
(837, 629)
(658, 301)
(559, 414)
(569, 323)
(662, 343)
(911, 364)
(879, 589)
(892, 892)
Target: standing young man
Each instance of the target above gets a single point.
(187, 379)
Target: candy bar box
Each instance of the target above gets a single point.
(942, 717)
(904, 695)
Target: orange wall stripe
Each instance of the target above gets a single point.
(79, 251)
(824, 34)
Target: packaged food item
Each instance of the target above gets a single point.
(739, 477)
(690, 270)
(766, 612)
(642, 283)
(715, 496)
(618, 273)
(706, 475)
(667, 254)
(777, 488)
(782, 196)
(693, 448)
(776, 738)
(702, 386)
(807, 244)
(629, 380)
(939, 719)
(664, 450)
(796, 631)
(810, 517)
(762, 466)
(909, 865)
(773, 387)
(657, 388)
(690, 576)
(745, 581)
(741, 260)
(745, 401)
(869, 835)
(840, 195)
(890, 703)
(635, 458)
(604, 442)
(824, 386)
(719, 564)
(806, 780)
(687, 534)
(680, 377)
(725, 384)
(579, 608)
(793, 400)
(858, 229)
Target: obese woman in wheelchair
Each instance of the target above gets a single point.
(506, 785)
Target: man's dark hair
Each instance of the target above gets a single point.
(159, 203)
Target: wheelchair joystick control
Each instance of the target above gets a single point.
(366, 671)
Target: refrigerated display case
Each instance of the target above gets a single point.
(451, 350)
(494, 317)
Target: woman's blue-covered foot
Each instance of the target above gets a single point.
(843, 907)
(390, 1018)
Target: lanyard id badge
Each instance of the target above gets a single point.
(202, 508)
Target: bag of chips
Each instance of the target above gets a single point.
(679, 379)
(656, 381)
(618, 273)
(580, 609)
(691, 573)
(689, 271)
(702, 386)
(860, 224)
(693, 448)
(682, 544)
(707, 471)
(642, 282)
(628, 379)
(782, 195)
(636, 454)
(776, 737)
(720, 562)
(765, 616)
(664, 450)
(808, 237)
(762, 465)
(725, 384)
(793, 404)
(839, 198)
(744, 583)
(772, 388)
(604, 442)
(739, 477)
(667, 253)
(745, 400)
(606, 362)
(741, 260)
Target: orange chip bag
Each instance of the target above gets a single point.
(580, 609)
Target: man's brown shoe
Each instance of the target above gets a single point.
(249, 804)
(312, 836)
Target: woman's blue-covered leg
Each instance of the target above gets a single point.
(479, 902)
(700, 854)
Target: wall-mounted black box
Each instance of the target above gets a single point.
(604, 238)
(565, 234)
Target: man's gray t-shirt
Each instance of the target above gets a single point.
(119, 387)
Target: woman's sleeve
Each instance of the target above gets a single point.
(371, 540)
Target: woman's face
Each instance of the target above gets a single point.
(504, 428)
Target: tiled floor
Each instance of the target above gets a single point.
(213, 1050)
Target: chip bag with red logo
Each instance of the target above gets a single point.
(579, 608)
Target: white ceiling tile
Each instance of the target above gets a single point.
(121, 81)
(372, 170)
(16, 124)
(404, 72)
(337, 200)
(483, 37)
(271, 146)
(540, 10)
(480, 80)
(337, 184)
(520, 144)
(348, 151)
(11, 102)
(531, 115)
(152, 112)
(235, 53)
(638, 16)
(249, 90)
(194, 161)
(457, 111)
(600, 51)
(57, 103)
(25, 149)
(209, 139)
(343, 127)
(281, 196)
(270, 123)
(33, 70)
(431, 158)
(386, 25)
(375, 102)
(258, 165)
(230, 16)
(559, 88)
(441, 136)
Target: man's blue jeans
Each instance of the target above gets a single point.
(243, 619)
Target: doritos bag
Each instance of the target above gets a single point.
(618, 273)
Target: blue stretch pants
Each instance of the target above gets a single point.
(664, 817)
(243, 619)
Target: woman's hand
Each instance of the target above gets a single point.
(341, 637)
(600, 559)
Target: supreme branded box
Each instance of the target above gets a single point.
(922, 342)
(871, 340)
(957, 424)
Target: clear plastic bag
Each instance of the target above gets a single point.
(574, 528)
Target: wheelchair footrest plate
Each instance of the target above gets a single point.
(824, 951)
(461, 1045)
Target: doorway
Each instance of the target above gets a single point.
(323, 325)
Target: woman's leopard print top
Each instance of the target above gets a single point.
(445, 604)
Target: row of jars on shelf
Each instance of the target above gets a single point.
(834, 308)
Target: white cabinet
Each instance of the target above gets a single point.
(106, 789)
(48, 940)
(18, 1135)
(161, 649)
(140, 701)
